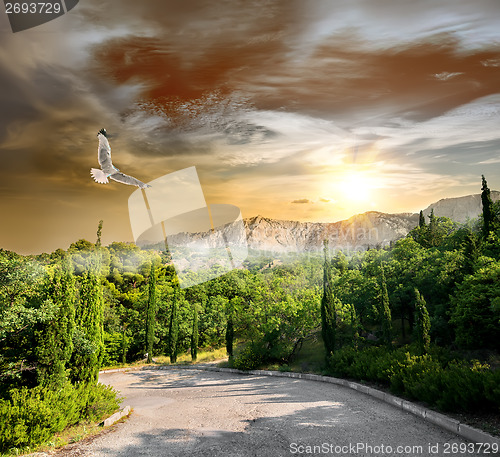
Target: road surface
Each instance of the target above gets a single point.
(194, 413)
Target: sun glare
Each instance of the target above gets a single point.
(357, 187)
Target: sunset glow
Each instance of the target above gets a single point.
(357, 187)
(308, 117)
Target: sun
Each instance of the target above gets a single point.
(357, 187)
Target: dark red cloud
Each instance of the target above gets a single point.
(340, 78)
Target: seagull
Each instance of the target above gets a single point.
(108, 170)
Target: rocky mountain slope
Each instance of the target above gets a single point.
(362, 231)
(356, 233)
(359, 232)
(460, 209)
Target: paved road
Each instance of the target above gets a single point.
(187, 412)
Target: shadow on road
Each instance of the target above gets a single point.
(220, 414)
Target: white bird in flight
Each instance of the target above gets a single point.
(108, 170)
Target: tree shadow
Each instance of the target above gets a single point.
(271, 416)
(239, 385)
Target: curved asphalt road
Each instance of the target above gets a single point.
(188, 412)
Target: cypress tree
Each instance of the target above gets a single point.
(151, 313)
(432, 233)
(488, 215)
(423, 323)
(124, 344)
(95, 263)
(194, 334)
(355, 327)
(471, 252)
(89, 320)
(230, 335)
(420, 233)
(385, 311)
(173, 329)
(99, 232)
(328, 308)
(421, 220)
(55, 338)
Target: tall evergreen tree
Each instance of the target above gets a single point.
(328, 308)
(89, 342)
(173, 328)
(124, 344)
(96, 259)
(55, 337)
(488, 214)
(421, 219)
(471, 252)
(432, 230)
(230, 335)
(423, 323)
(151, 313)
(355, 327)
(385, 311)
(420, 233)
(194, 334)
(99, 232)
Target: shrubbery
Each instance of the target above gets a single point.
(114, 348)
(258, 353)
(250, 358)
(451, 385)
(32, 416)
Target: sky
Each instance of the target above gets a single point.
(308, 110)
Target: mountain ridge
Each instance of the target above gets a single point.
(359, 232)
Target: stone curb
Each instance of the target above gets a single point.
(465, 431)
(115, 417)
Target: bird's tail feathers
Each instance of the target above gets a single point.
(99, 176)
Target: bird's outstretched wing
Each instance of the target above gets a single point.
(99, 176)
(104, 152)
(126, 179)
(108, 170)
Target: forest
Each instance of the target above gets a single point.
(420, 316)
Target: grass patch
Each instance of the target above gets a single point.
(311, 357)
(204, 356)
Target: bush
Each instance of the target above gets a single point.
(455, 385)
(416, 376)
(100, 401)
(465, 387)
(250, 358)
(32, 416)
(113, 348)
(369, 364)
(492, 388)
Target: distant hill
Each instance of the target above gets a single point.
(460, 209)
(359, 232)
